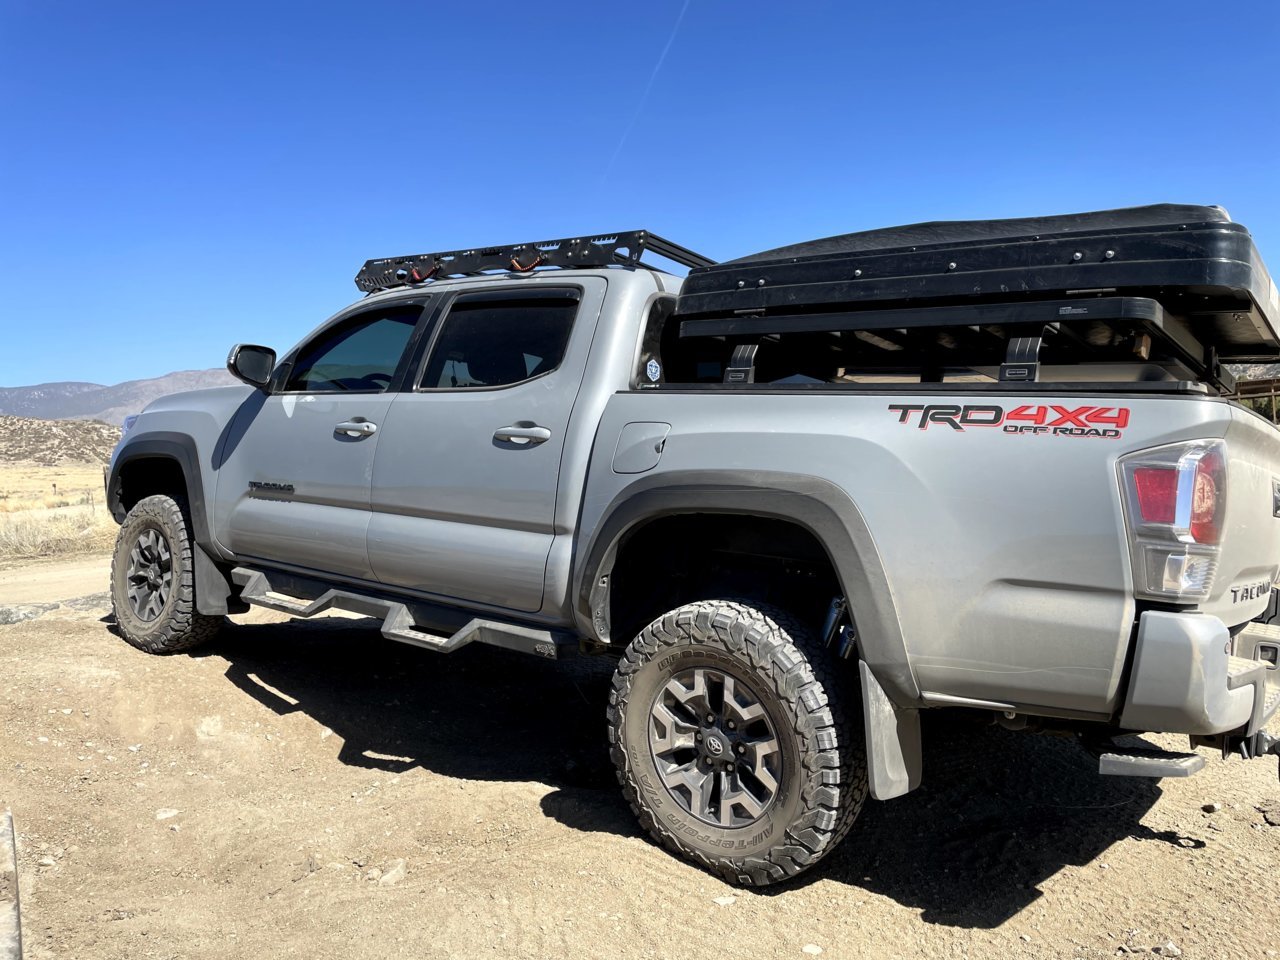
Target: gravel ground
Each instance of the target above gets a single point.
(307, 789)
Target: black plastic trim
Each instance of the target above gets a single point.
(657, 310)
(508, 294)
(163, 445)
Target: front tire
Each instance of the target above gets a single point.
(732, 742)
(153, 580)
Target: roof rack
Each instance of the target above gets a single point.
(609, 249)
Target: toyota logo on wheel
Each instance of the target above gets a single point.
(714, 746)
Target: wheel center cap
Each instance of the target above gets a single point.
(715, 744)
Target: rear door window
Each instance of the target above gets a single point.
(499, 343)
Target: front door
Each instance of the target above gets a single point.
(293, 483)
(465, 479)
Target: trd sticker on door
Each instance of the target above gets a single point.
(1047, 420)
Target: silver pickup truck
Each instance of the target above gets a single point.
(801, 497)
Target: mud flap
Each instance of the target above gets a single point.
(893, 740)
(10, 921)
(214, 595)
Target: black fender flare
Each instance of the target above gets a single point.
(815, 504)
(163, 445)
(213, 591)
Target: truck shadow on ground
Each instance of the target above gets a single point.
(998, 814)
(479, 713)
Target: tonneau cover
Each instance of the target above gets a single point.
(1194, 260)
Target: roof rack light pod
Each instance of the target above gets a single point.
(622, 249)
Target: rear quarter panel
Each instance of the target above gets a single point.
(1250, 558)
(1005, 554)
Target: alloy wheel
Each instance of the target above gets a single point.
(149, 579)
(715, 747)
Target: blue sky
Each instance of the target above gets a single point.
(179, 177)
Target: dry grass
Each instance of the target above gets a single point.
(66, 531)
(53, 511)
(22, 483)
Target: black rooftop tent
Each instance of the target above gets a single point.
(1187, 277)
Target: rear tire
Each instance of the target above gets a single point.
(718, 679)
(153, 580)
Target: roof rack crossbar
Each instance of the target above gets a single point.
(602, 250)
(678, 254)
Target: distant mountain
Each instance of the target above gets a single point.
(50, 442)
(74, 400)
(1255, 371)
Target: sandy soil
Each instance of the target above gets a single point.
(307, 789)
(53, 580)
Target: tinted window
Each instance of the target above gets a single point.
(361, 353)
(495, 344)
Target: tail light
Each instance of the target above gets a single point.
(1175, 500)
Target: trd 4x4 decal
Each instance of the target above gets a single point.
(1048, 419)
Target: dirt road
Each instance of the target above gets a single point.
(307, 789)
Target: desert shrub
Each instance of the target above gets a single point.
(62, 534)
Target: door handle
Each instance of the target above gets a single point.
(525, 434)
(356, 428)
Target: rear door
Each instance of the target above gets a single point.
(294, 469)
(465, 478)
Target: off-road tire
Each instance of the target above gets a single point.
(823, 782)
(178, 626)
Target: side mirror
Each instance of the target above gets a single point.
(251, 363)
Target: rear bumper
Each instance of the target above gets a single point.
(1191, 676)
(1260, 645)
